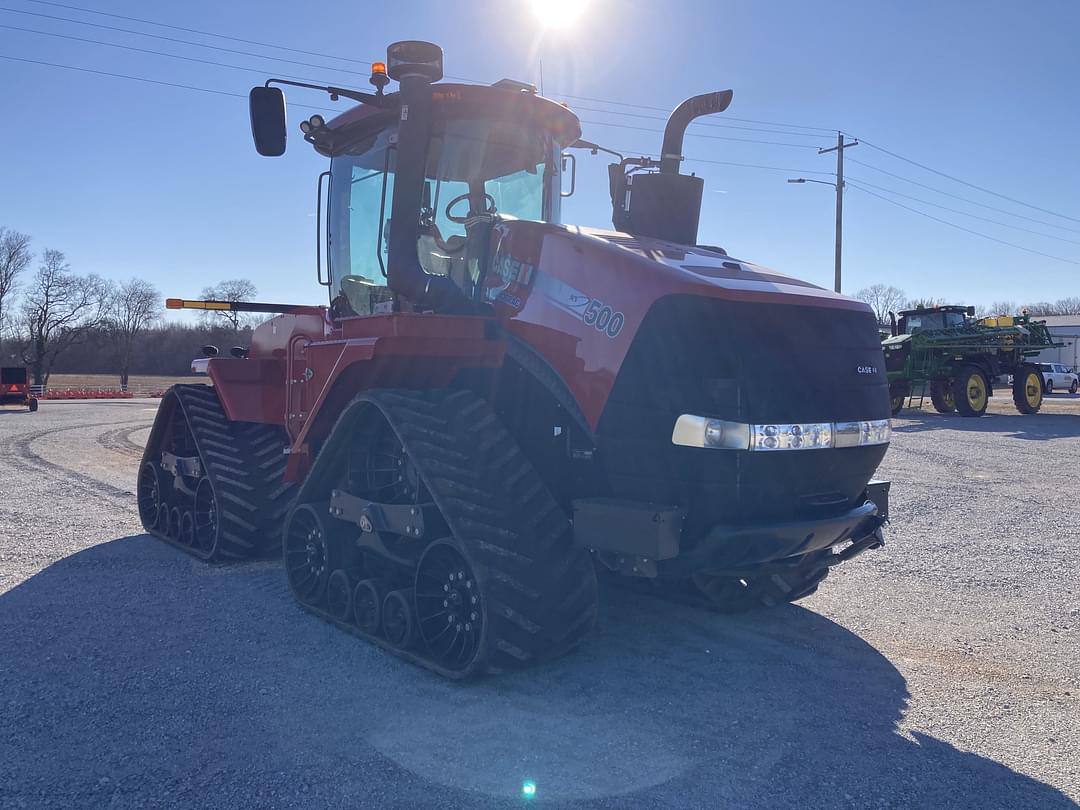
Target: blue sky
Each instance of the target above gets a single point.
(138, 179)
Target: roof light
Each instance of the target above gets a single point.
(377, 68)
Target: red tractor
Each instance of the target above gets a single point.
(495, 406)
(15, 388)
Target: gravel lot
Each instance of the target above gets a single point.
(941, 671)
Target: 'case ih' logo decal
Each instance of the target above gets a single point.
(867, 369)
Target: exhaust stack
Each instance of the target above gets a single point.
(666, 204)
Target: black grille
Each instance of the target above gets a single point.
(747, 362)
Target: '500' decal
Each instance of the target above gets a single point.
(603, 318)
(594, 312)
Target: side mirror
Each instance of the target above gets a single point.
(267, 107)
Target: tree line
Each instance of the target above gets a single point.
(884, 299)
(55, 320)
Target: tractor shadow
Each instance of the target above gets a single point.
(132, 675)
(1034, 427)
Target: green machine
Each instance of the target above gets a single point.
(952, 355)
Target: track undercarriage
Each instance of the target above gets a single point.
(209, 486)
(423, 529)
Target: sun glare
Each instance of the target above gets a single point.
(557, 13)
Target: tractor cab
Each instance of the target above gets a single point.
(932, 319)
(492, 154)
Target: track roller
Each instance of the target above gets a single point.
(367, 605)
(164, 520)
(398, 619)
(339, 595)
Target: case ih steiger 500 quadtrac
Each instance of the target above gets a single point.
(495, 405)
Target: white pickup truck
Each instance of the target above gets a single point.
(1057, 377)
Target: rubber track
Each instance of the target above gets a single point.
(540, 588)
(245, 464)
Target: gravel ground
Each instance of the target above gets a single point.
(940, 671)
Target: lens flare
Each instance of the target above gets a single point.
(557, 13)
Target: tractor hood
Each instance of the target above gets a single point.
(583, 296)
(895, 341)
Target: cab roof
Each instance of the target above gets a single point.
(503, 100)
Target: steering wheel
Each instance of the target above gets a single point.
(489, 206)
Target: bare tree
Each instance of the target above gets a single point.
(882, 299)
(130, 308)
(1041, 308)
(236, 289)
(59, 310)
(15, 257)
(1068, 306)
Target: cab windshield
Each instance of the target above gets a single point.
(477, 170)
(932, 320)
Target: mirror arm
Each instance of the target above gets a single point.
(580, 143)
(355, 95)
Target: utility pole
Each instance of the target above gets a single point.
(839, 149)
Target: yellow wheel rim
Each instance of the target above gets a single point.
(976, 392)
(1033, 389)
(947, 397)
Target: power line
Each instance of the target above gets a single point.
(324, 81)
(965, 199)
(310, 79)
(180, 41)
(361, 61)
(961, 227)
(155, 53)
(321, 109)
(967, 214)
(195, 31)
(970, 185)
(699, 122)
(141, 79)
(699, 135)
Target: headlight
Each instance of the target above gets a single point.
(700, 431)
(807, 436)
(857, 434)
(697, 431)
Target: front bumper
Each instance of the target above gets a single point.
(646, 540)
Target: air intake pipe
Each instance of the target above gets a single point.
(679, 120)
(415, 66)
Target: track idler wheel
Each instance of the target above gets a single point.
(307, 556)
(398, 619)
(148, 495)
(339, 596)
(367, 602)
(449, 607)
